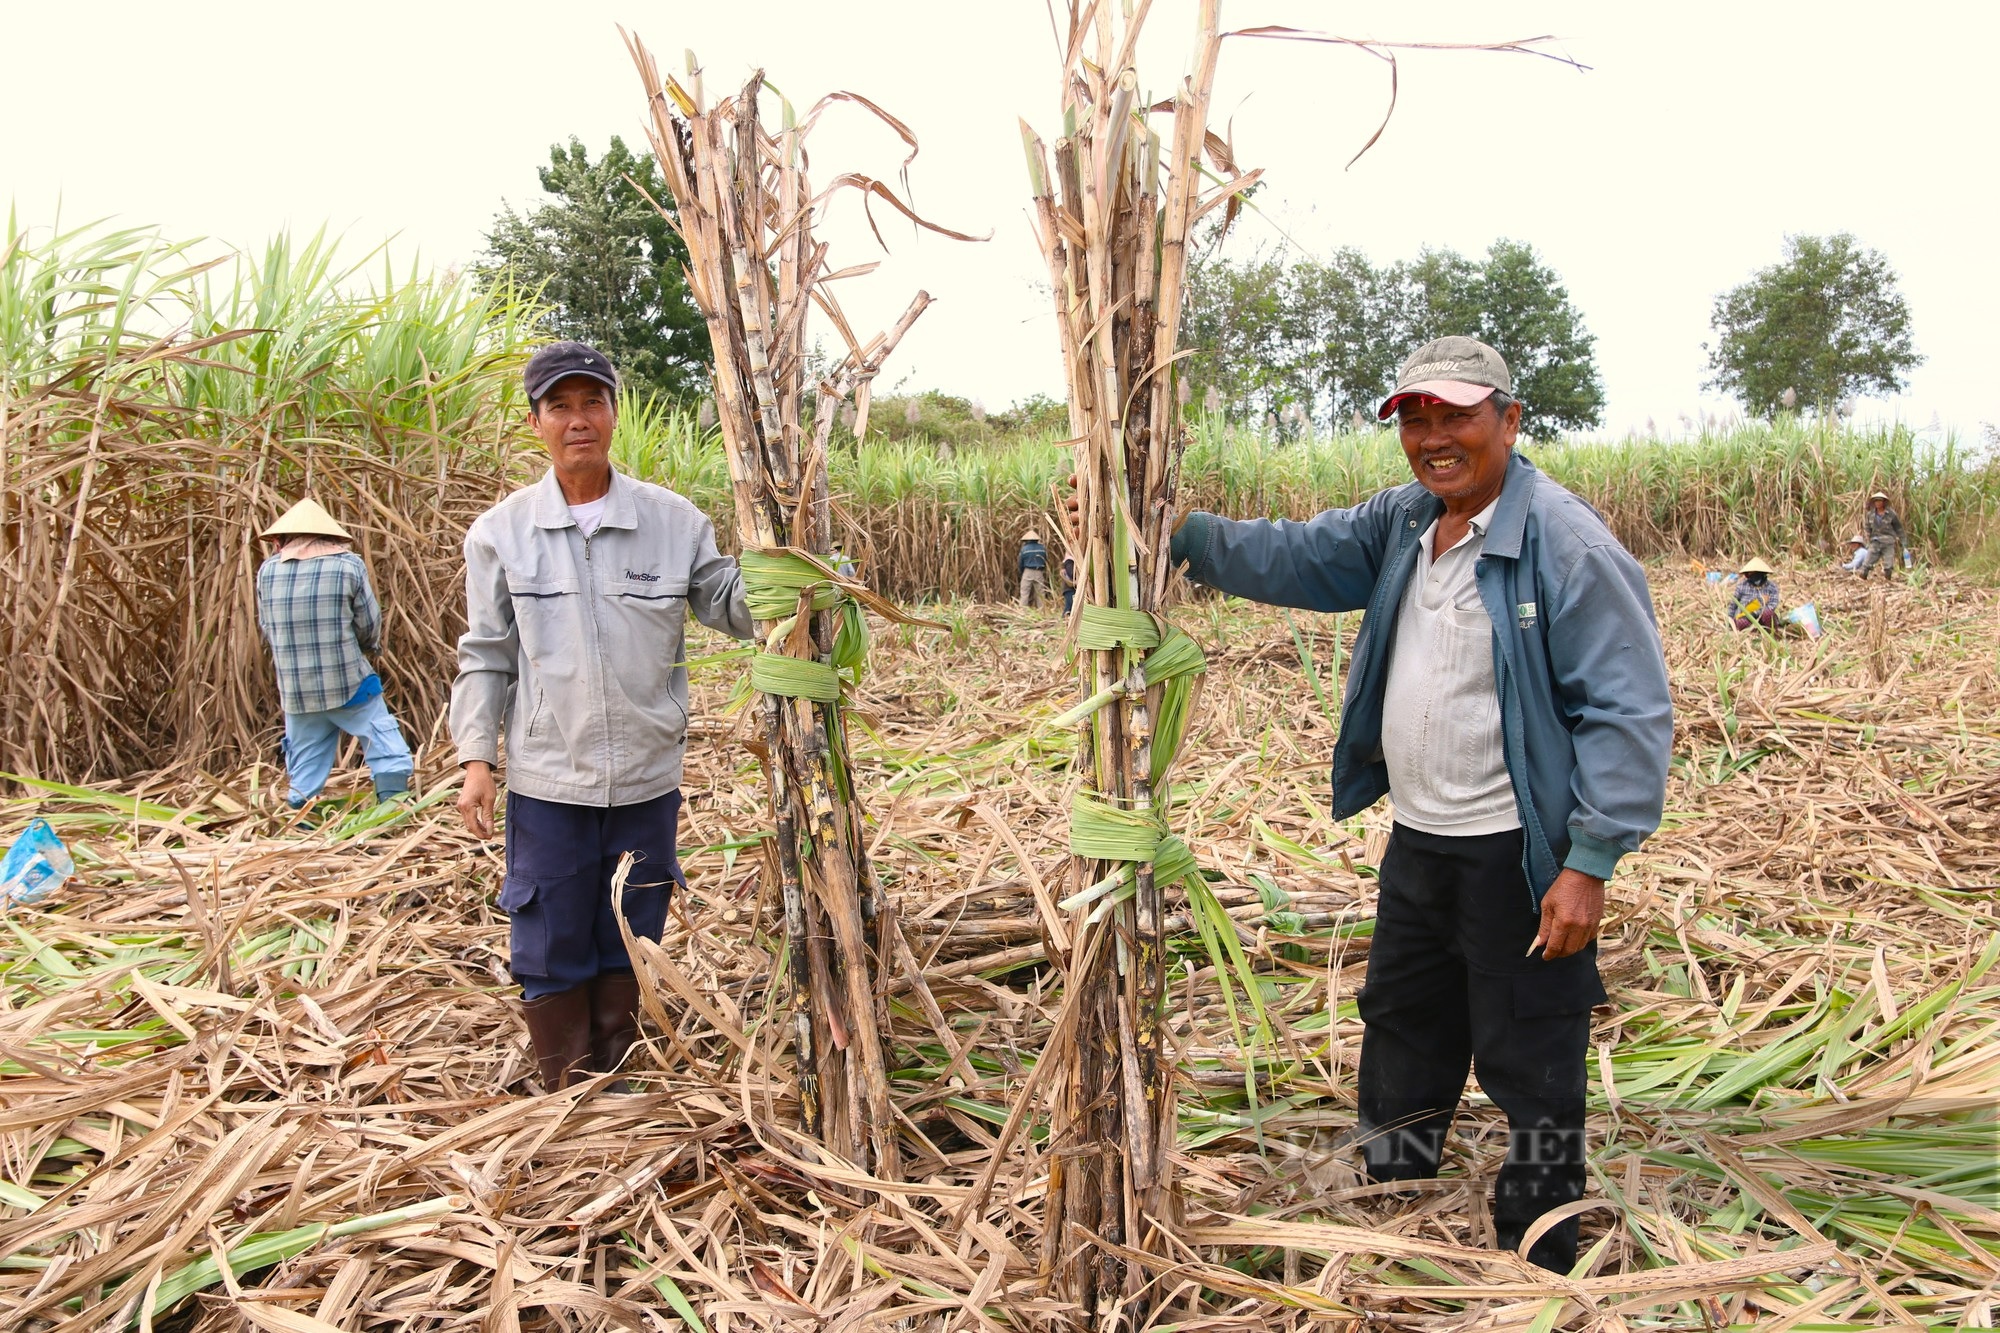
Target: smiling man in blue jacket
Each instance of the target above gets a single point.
(1509, 694)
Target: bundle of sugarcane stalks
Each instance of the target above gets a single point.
(745, 208)
(1114, 214)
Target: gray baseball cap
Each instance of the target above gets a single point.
(1461, 371)
(558, 361)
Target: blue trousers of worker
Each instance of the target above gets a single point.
(557, 893)
(312, 739)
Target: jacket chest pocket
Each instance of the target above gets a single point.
(547, 613)
(644, 616)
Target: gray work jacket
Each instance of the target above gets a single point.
(1585, 717)
(574, 645)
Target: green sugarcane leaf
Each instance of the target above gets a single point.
(129, 805)
(13, 1194)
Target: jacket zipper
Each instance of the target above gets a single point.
(595, 647)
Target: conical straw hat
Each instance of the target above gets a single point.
(307, 519)
(1031, 536)
(1754, 566)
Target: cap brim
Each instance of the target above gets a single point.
(1456, 392)
(535, 391)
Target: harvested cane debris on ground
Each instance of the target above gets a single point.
(225, 1037)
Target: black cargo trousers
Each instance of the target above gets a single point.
(1450, 987)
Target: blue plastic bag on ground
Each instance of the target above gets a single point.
(35, 866)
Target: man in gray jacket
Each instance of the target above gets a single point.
(1509, 693)
(577, 592)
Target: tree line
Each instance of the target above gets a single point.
(1295, 340)
(1291, 341)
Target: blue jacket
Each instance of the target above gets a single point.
(1586, 721)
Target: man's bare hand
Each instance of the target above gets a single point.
(476, 797)
(1572, 911)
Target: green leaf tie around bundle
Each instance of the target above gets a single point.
(774, 584)
(1105, 832)
(1173, 863)
(1114, 627)
(1100, 831)
(773, 581)
(795, 677)
(1173, 663)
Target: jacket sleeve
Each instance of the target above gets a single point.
(367, 611)
(715, 588)
(488, 654)
(1328, 563)
(1611, 676)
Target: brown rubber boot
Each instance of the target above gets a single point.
(614, 1022)
(559, 1028)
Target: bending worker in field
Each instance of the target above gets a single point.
(318, 612)
(1754, 598)
(577, 592)
(1857, 555)
(1508, 692)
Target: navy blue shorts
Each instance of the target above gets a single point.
(557, 894)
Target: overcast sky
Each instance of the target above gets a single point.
(1700, 136)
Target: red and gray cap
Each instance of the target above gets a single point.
(558, 361)
(1460, 371)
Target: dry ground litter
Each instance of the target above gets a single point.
(298, 1049)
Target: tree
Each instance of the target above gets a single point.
(1326, 335)
(608, 266)
(1516, 304)
(1343, 315)
(1826, 321)
(1234, 312)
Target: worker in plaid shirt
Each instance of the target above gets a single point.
(319, 614)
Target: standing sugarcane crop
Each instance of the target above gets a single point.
(744, 206)
(1114, 212)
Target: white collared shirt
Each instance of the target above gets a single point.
(1441, 710)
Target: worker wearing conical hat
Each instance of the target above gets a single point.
(1754, 600)
(1033, 567)
(318, 612)
(1885, 535)
(1857, 555)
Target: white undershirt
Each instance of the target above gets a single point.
(589, 514)
(1440, 713)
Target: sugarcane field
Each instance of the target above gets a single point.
(588, 782)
